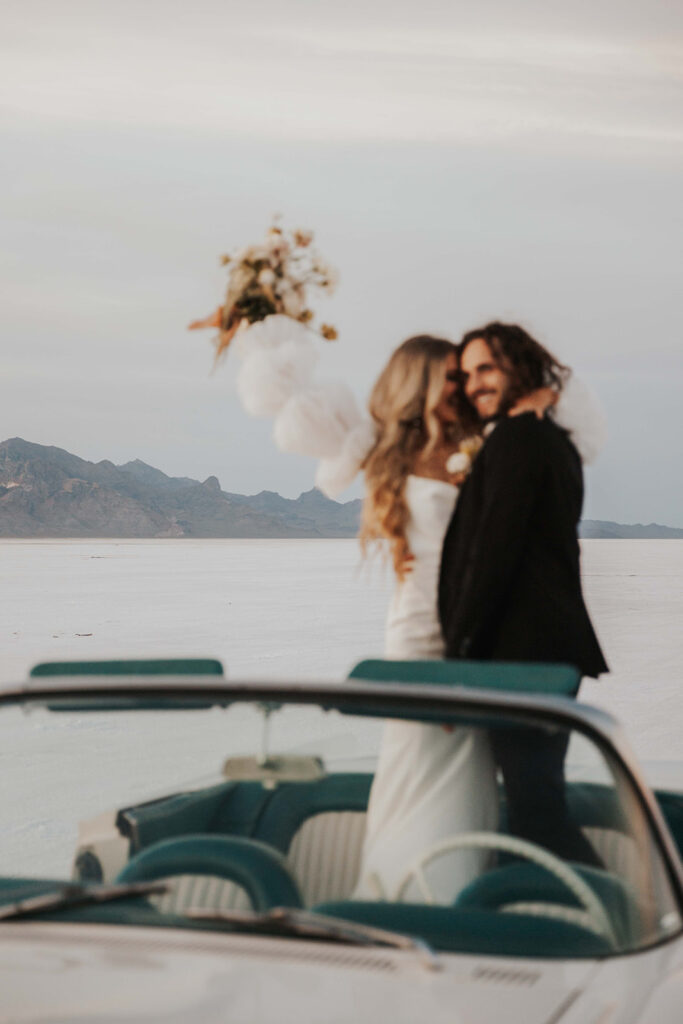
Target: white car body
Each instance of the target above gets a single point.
(54, 972)
(58, 971)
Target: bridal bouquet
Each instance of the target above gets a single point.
(271, 278)
(266, 313)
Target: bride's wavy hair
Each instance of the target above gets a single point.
(403, 407)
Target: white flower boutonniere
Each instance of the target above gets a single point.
(461, 461)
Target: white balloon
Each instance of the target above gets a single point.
(579, 412)
(336, 473)
(272, 332)
(316, 421)
(268, 377)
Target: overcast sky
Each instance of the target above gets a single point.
(458, 162)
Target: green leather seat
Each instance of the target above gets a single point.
(530, 883)
(130, 667)
(245, 809)
(294, 803)
(513, 677)
(255, 867)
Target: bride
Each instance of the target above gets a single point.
(430, 783)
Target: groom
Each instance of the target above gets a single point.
(510, 587)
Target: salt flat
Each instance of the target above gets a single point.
(309, 608)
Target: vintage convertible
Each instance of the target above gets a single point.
(178, 846)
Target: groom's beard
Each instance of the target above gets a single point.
(505, 403)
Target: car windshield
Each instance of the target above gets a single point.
(258, 804)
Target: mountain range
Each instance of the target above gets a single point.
(47, 492)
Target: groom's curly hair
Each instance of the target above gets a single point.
(530, 366)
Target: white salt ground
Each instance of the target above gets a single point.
(309, 608)
(287, 609)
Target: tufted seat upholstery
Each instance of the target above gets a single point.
(253, 866)
(319, 828)
(323, 858)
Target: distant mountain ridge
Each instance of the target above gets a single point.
(599, 528)
(48, 492)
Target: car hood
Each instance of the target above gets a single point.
(70, 972)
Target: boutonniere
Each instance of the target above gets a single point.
(461, 461)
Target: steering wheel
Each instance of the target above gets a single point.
(256, 867)
(597, 916)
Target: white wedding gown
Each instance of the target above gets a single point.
(430, 784)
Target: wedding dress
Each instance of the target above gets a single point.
(430, 784)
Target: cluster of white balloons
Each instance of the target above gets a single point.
(319, 418)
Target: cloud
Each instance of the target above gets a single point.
(458, 162)
(311, 79)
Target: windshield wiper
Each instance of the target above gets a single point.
(76, 895)
(289, 921)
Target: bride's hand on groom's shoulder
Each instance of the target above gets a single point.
(538, 402)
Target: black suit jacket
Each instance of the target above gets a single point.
(510, 586)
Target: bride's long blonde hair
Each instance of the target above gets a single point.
(403, 407)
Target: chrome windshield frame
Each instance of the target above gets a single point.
(378, 699)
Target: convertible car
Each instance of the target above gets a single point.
(179, 846)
